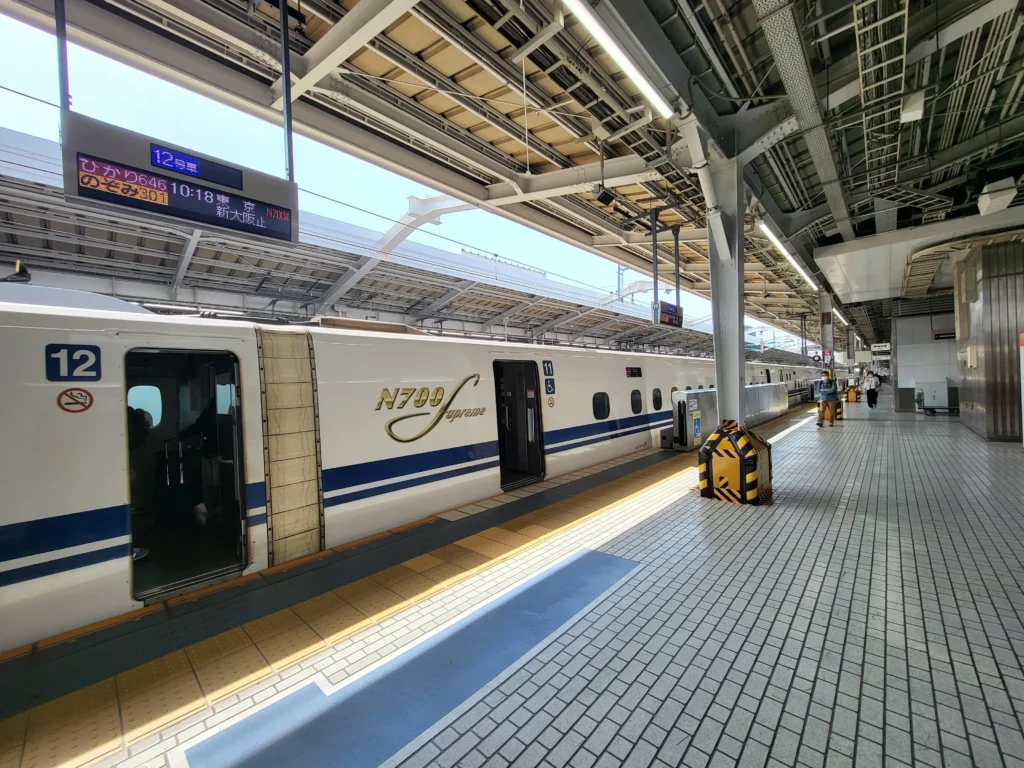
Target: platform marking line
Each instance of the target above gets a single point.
(176, 756)
(510, 670)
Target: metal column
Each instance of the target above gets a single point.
(656, 307)
(827, 340)
(725, 238)
(675, 236)
(286, 90)
(61, 31)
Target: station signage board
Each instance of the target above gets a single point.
(670, 314)
(881, 347)
(109, 166)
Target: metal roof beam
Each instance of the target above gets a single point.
(950, 33)
(593, 328)
(345, 284)
(779, 25)
(540, 330)
(444, 301)
(503, 316)
(617, 172)
(542, 36)
(185, 259)
(360, 25)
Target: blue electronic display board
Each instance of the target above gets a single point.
(207, 170)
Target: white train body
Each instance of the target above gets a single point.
(337, 434)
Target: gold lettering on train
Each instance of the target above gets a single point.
(420, 396)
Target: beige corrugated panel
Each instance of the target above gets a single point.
(291, 445)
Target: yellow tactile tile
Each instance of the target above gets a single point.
(422, 563)
(533, 531)
(271, 625)
(157, 672)
(68, 709)
(389, 576)
(217, 647)
(505, 537)
(356, 589)
(231, 673)
(414, 587)
(161, 706)
(470, 560)
(339, 623)
(444, 572)
(12, 731)
(449, 552)
(379, 604)
(318, 606)
(77, 743)
(10, 758)
(291, 646)
(486, 547)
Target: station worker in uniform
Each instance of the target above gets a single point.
(828, 394)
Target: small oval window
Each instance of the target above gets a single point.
(656, 399)
(700, 386)
(689, 388)
(636, 401)
(602, 405)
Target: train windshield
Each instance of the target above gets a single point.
(184, 457)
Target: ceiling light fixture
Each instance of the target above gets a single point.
(582, 11)
(839, 317)
(789, 257)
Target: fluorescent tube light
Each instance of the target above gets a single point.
(789, 257)
(839, 317)
(593, 25)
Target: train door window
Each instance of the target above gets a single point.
(636, 401)
(520, 431)
(767, 376)
(602, 406)
(185, 469)
(656, 399)
(146, 397)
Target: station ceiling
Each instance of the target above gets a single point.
(854, 118)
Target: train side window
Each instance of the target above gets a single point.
(602, 406)
(636, 401)
(147, 398)
(656, 399)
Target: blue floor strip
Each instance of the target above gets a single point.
(365, 723)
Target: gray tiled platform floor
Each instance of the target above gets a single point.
(872, 616)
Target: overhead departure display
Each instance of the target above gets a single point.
(108, 166)
(111, 182)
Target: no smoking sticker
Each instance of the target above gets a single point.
(551, 402)
(75, 400)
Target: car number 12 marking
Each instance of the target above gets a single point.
(73, 362)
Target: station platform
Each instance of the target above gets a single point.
(871, 614)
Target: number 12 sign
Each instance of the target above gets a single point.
(72, 362)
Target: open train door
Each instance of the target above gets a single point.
(185, 469)
(520, 430)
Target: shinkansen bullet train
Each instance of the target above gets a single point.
(144, 456)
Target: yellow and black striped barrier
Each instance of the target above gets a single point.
(839, 409)
(735, 465)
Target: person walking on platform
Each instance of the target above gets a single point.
(828, 395)
(871, 386)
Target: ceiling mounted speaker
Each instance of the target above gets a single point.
(603, 195)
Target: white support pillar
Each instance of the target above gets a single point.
(725, 224)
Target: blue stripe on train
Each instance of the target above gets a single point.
(410, 483)
(557, 436)
(61, 564)
(399, 466)
(256, 495)
(33, 537)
